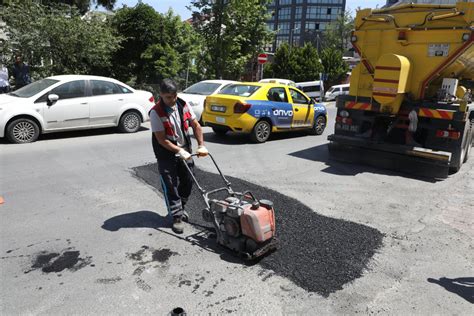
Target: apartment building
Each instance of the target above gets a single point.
(299, 21)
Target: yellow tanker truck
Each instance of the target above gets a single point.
(410, 104)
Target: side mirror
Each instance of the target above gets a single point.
(52, 98)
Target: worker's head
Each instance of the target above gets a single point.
(168, 92)
(18, 59)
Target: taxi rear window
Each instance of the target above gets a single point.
(241, 90)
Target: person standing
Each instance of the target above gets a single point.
(170, 120)
(4, 84)
(21, 73)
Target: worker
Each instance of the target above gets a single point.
(170, 120)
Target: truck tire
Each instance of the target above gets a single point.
(464, 150)
(468, 143)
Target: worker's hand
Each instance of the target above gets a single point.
(183, 154)
(202, 151)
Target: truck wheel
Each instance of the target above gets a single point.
(261, 132)
(22, 131)
(130, 122)
(318, 126)
(465, 146)
(468, 145)
(221, 131)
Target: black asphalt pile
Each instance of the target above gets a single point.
(318, 253)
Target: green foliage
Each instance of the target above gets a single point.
(155, 46)
(57, 41)
(334, 66)
(338, 33)
(297, 64)
(233, 31)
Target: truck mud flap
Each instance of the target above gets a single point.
(412, 161)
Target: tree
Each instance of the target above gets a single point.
(234, 32)
(334, 66)
(298, 64)
(338, 34)
(155, 45)
(57, 41)
(82, 5)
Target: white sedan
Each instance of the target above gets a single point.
(196, 94)
(71, 102)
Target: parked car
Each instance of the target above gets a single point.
(260, 109)
(280, 81)
(313, 89)
(196, 94)
(336, 91)
(71, 102)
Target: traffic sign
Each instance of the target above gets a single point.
(262, 58)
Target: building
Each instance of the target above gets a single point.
(299, 21)
(396, 2)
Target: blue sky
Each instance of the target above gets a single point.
(179, 6)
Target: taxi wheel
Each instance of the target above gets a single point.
(318, 126)
(261, 132)
(219, 131)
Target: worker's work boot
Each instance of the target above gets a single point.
(178, 225)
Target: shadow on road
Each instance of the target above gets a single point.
(321, 153)
(232, 138)
(77, 134)
(205, 238)
(463, 287)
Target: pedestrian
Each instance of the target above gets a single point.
(170, 120)
(4, 84)
(21, 73)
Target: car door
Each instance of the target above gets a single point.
(106, 101)
(70, 110)
(301, 109)
(281, 109)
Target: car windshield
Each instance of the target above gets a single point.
(202, 88)
(33, 88)
(331, 90)
(240, 90)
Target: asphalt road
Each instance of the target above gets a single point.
(82, 231)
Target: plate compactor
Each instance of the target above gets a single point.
(242, 223)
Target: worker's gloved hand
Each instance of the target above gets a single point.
(183, 154)
(202, 151)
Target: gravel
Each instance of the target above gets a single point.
(318, 253)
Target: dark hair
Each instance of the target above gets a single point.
(168, 86)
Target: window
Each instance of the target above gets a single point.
(284, 28)
(284, 14)
(298, 97)
(271, 26)
(124, 90)
(202, 88)
(70, 90)
(100, 87)
(311, 89)
(240, 90)
(345, 88)
(298, 13)
(283, 2)
(277, 95)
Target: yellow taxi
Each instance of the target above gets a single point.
(260, 109)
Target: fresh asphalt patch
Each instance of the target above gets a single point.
(318, 253)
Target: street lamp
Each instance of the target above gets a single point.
(291, 36)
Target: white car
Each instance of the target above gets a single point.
(71, 102)
(196, 94)
(335, 91)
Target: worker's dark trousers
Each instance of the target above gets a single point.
(177, 184)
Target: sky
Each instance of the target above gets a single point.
(179, 6)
